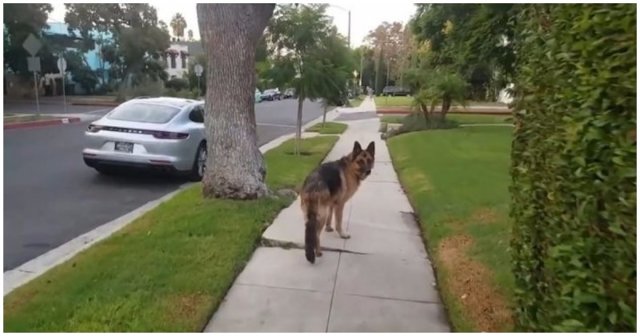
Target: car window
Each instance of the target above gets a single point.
(197, 114)
(144, 112)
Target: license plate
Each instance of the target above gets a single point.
(126, 147)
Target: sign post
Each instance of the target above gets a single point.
(199, 69)
(62, 67)
(32, 45)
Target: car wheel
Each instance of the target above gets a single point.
(200, 163)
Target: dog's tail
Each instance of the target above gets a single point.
(310, 238)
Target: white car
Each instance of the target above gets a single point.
(164, 134)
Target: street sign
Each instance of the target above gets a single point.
(62, 65)
(32, 44)
(33, 64)
(198, 69)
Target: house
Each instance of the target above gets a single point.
(58, 33)
(177, 57)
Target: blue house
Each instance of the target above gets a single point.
(93, 57)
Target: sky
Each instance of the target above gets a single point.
(365, 15)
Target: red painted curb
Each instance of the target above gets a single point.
(41, 123)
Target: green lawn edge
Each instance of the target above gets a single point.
(471, 119)
(166, 271)
(450, 176)
(329, 127)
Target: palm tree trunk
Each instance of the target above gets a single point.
(235, 166)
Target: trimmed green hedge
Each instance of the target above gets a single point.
(574, 168)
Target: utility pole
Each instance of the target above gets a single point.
(349, 31)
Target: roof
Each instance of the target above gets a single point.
(194, 47)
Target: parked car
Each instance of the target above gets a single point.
(162, 134)
(258, 96)
(289, 93)
(395, 91)
(271, 94)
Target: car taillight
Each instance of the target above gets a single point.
(169, 135)
(94, 128)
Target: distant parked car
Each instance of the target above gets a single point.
(395, 91)
(162, 134)
(289, 93)
(258, 96)
(271, 94)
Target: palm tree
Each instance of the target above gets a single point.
(178, 25)
(433, 87)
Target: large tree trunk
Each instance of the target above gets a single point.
(230, 32)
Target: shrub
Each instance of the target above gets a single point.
(573, 168)
(177, 84)
(415, 122)
(146, 87)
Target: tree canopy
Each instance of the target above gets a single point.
(139, 39)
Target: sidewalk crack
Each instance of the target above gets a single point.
(265, 242)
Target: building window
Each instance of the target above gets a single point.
(173, 61)
(184, 60)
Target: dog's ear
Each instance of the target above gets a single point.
(371, 149)
(357, 148)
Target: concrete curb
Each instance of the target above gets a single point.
(94, 103)
(278, 141)
(41, 123)
(41, 264)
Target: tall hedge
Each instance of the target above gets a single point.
(574, 168)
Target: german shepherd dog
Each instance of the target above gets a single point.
(327, 189)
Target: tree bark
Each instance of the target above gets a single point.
(299, 125)
(230, 33)
(324, 114)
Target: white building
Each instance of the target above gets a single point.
(177, 60)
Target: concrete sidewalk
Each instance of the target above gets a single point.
(380, 280)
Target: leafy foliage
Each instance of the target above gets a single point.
(391, 45)
(573, 168)
(139, 39)
(80, 71)
(20, 20)
(177, 84)
(436, 87)
(178, 25)
(310, 56)
(471, 39)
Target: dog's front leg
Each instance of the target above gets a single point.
(338, 211)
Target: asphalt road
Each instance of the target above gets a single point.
(51, 197)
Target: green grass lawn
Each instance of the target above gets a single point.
(329, 127)
(457, 181)
(166, 271)
(460, 118)
(394, 101)
(398, 101)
